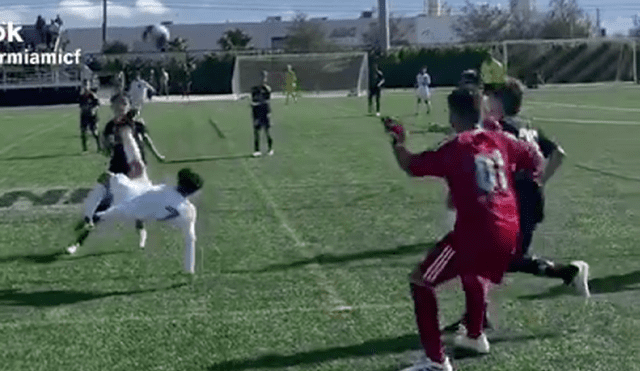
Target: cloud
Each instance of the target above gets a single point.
(15, 14)
(618, 25)
(151, 7)
(92, 9)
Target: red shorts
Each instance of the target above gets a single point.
(458, 254)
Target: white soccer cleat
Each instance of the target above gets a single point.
(581, 280)
(428, 365)
(479, 345)
(270, 153)
(72, 249)
(143, 238)
(378, 114)
(257, 154)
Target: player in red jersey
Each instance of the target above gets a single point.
(476, 165)
(501, 105)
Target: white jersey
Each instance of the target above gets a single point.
(423, 80)
(141, 200)
(138, 92)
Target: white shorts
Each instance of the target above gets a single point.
(423, 93)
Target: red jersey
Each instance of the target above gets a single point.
(477, 166)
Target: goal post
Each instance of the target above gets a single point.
(319, 73)
(572, 60)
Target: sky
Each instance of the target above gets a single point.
(616, 15)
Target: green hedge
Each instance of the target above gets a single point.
(560, 63)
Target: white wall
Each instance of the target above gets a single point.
(348, 32)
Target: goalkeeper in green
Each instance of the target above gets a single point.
(291, 84)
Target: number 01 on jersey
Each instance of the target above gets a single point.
(490, 172)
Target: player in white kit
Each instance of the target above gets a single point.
(423, 80)
(140, 200)
(138, 92)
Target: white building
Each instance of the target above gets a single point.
(270, 34)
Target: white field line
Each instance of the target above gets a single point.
(570, 105)
(222, 315)
(581, 121)
(336, 303)
(32, 134)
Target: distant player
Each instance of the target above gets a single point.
(375, 88)
(261, 113)
(291, 84)
(117, 147)
(423, 80)
(89, 104)
(469, 79)
(146, 202)
(138, 92)
(119, 83)
(164, 82)
(476, 164)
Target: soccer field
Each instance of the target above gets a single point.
(303, 256)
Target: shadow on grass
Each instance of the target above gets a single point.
(52, 257)
(206, 158)
(41, 157)
(368, 348)
(61, 297)
(607, 173)
(604, 285)
(336, 259)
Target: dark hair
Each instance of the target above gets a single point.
(189, 182)
(465, 104)
(119, 97)
(511, 94)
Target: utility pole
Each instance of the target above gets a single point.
(383, 17)
(104, 23)
(598, 22)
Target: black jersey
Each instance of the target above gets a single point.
(377, 80)
(530, 194)
(113, 141)
(261, 101)
(88, 104)
(522, 129)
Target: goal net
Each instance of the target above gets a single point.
(571, 61)
(316, 73)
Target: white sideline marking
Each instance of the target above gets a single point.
(34, 133)
(226, 316)
(569, 105)
(314, 268)
(580, 121)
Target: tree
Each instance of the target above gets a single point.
(177, 45)
(481, 22)
(397, 36)
(521, 27)
(115, 47)
(234, 39)
(566, 19)
(307, 36)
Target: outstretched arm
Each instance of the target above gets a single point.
(553, 164)
(153, 148)
(189, 229)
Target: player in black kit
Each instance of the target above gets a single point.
(261, 112)
(89, 104)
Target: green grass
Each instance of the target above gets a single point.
(328, 221)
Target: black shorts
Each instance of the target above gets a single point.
(531, 202)
(89, 123)
(118, 163)
(261, 122)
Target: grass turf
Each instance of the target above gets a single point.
(303, 257)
